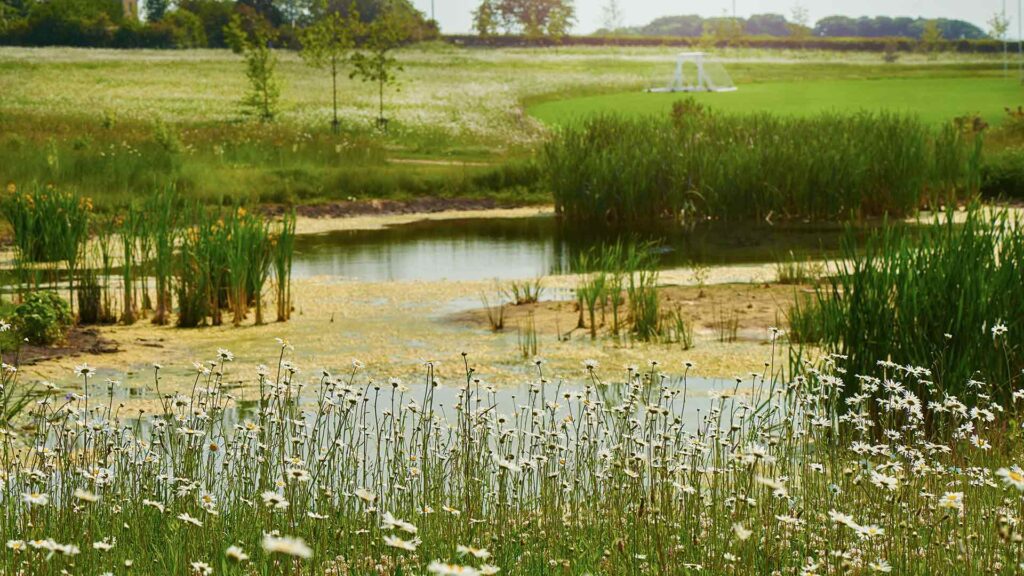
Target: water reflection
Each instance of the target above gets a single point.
(485, 248)
(506, 400)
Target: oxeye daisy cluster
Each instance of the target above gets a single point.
(821, 472)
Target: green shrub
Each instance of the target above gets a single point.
(43, 318)
(1002, 175)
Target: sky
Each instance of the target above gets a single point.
(454, 15)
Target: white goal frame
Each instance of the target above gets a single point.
(702, 83)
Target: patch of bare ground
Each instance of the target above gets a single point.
(78, 342)
(751, 308)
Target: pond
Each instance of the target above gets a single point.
(505, 248)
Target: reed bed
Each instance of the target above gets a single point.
(942, 296)
(50, 229)
(699, 164)
(345, 473)
(132, 265)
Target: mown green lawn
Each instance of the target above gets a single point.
(935, 100)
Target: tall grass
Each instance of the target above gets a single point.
(163, 207)
(283, 242)
(50, 227)
(701, 164)
(944, 296)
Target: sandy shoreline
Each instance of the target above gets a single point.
(322, 225)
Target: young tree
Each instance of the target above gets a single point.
(611, 16)
(485, 19)
(800, 23)
(155, 9)
(560, 20)
(931, 37)
(1000, 25)
(326, 45)
(253, 41)
(375, 61)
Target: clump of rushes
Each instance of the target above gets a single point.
(163, 208)
(50, 227)
(283, 243)
(520, 292)
(213, 261)
(629, 171)
(623, 273)
(249, 251)
(128, 225)
(105, 245)
(944, 296)
(192, 274)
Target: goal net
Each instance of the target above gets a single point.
(696, 73)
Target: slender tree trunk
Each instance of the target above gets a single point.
(334, 80)
(380, 112)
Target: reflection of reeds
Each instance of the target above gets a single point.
(727, 325)
(495, 314)
(794, 271)
(527, 337)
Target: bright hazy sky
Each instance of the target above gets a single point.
(454, 15)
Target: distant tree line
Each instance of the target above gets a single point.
(532, 19)
(828, 27)
(182, 23)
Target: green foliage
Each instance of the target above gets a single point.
(155, 9)
(1002, 175)
(253, 40)
(73, 22)
(792, 270)
(326, 45)
(50, 225)
(536, 19)
(799, 26)
(485, 19)
(43, 318)
(375, 61)
(930, 296)
(931, 37)
(617, 170)
(520, 292)
(186, 29)
(617, 275)
(282, 243)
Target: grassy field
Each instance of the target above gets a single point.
(112, 123)
(934, 100)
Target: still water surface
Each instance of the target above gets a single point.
(504, 248)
